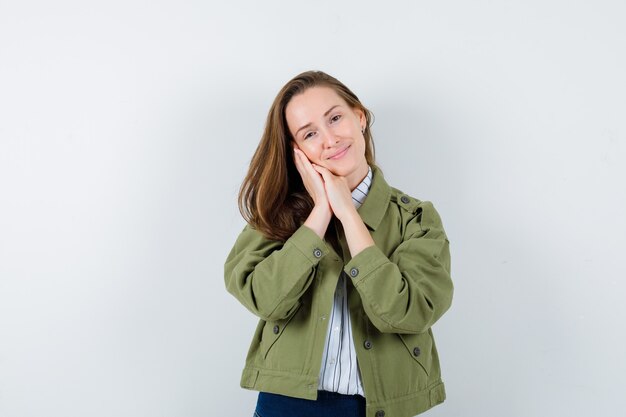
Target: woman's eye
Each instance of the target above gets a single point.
(308, 135)
(335, 118)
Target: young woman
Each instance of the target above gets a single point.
(346, 273)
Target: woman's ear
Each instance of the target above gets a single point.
(362, 119)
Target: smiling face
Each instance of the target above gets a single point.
(329, 132)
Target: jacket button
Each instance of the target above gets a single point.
(367, 344)
(354, 272)
(276, 329)
(416, 351)
(380, 413)
(405, 199)
(317, 253)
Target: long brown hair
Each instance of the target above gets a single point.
(272, 198)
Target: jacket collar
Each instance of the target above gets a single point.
(375, 205)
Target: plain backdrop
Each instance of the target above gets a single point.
(126, 128)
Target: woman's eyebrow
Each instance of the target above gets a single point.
(331, 109)
(309, 124)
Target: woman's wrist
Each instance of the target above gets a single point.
(357, 235)
(319, 219)
(348, 214)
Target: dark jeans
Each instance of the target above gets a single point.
(328, 404)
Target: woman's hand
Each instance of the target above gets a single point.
(340, 200)
(310, 178)
(321, 214)
(338, 193)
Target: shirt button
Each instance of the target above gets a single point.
(367, 344)
(380, 413)
(276, 329)
(317, 253)
(405, 199)
(416, 351)
(354, 272)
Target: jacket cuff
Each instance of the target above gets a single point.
(364, 263)
(309, 244)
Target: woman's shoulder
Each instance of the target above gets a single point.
(251, 238)
(415, 209)
(406, 201)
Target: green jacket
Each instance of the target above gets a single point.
(397, 290)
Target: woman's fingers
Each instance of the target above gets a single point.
(329, 177)
(298, 162)
(301, 164)
(324, 172)
(324, 186)
(306, 164)
(337, 191)
(311, 179)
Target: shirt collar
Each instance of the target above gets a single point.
(361, 190)
(375, 206)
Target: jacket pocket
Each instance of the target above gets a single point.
(419, 347)
(273, 330)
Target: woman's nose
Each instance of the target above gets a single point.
(329, 138)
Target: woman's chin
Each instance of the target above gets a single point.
(338, 172)
(334, 171)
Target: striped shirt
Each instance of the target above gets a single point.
(340, 372)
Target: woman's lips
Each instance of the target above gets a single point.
(340, 153)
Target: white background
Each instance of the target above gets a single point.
(126, 128)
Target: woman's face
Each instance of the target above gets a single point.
(329, 132)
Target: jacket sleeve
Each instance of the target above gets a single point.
(268, 277)
(410, 290)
